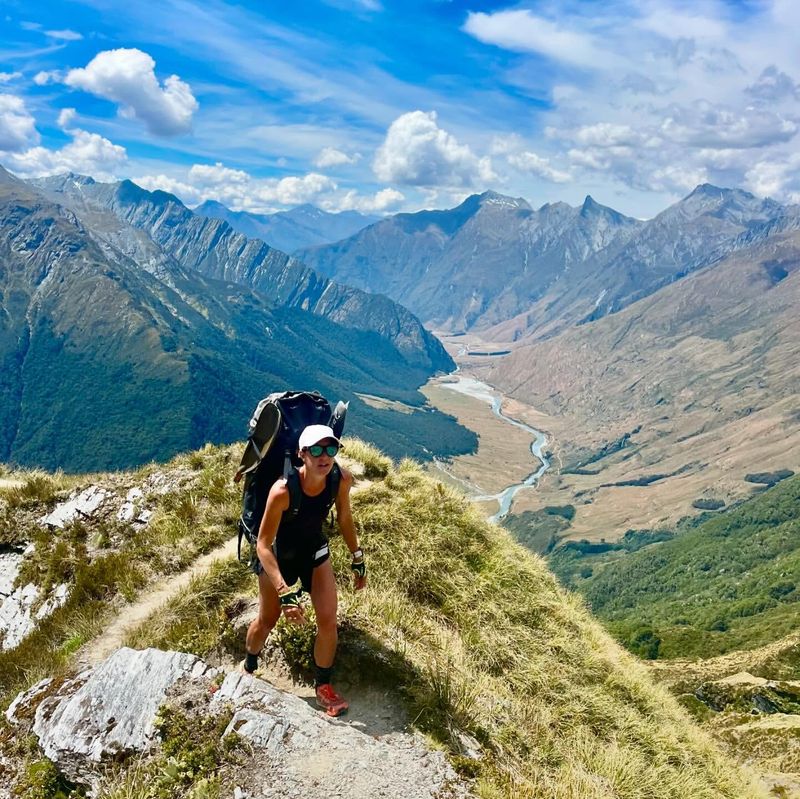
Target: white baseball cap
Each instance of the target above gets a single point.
(315, 433)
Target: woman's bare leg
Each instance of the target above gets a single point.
(269, 611)
(323, 597)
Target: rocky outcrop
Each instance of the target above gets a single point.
(21, 606)
(111, 711)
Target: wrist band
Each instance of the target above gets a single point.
(358, 566)
(290, 599)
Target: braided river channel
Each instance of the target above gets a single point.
(481, 391)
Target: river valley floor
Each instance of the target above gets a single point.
(604, 494)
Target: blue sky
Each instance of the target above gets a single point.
(382, 106)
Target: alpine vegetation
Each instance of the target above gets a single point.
(467, 638)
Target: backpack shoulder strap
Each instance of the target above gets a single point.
(295, 492)
(334, 479)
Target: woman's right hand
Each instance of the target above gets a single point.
(294, 614)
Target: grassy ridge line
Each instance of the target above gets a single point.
(480, 639)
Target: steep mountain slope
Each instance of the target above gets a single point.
(475, 265)
(214, 249)
(109, 363)
(303, 226)
(676, 397)
(468, 633)
(496, 266)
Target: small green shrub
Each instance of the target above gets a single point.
(565, 511)
(708, 504)
(769, 478)
(296, 642)
(42, 780)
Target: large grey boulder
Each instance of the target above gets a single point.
(109, 710)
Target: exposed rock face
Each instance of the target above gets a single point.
(109, 710)
(80, 506)
(213, 248)
(16, 614)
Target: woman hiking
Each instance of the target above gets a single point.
(292, 547)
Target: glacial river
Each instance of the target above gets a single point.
(475, 388)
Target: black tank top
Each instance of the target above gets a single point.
(303, 531)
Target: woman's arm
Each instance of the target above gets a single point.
(344, 515)
(277, 503)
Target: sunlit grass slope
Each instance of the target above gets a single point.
(492, 646)
(486, 650)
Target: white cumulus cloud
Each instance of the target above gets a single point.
(417, 152)
(48, 76)
(330, 156)
(17, 126)
(66, 117)
(205, 175)
(381, 201)
(239, 190)
(127, 77)
(87, 153)
(527, 161)
(7, 77)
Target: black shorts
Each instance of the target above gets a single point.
(298, 563)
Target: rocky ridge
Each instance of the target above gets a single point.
(110, 713)
(93, 304)
(496, 266)
(213, 248)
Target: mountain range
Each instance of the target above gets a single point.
(659, 355)
(496, 266)
(121, 343)
(300, 227)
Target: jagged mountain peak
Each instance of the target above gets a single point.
(591, 209)
(130, 192)
(707, 197)
(7, 177)
(210, 205)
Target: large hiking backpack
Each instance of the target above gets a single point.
(271, 452)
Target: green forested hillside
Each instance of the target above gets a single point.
(731, 582)
(105, 364)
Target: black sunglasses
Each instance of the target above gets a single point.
(315, 450)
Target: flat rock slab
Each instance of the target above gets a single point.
(109, 710)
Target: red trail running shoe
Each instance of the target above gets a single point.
(331, 702)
